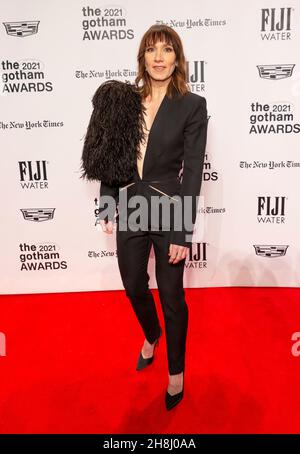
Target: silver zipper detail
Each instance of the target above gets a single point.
(124, 187)
(163, 193)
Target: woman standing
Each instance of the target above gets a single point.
(176, 122)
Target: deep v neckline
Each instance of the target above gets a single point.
(150, 130)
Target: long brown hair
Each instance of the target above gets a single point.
(178, 83)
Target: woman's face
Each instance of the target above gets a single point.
(160, 60)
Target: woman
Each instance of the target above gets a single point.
(176, 122)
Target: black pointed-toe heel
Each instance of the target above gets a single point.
(172, 401)
(142, 362)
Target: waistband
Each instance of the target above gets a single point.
(140, 183)
(138, 180)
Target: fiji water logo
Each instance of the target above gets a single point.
(276, 24)
(271, 209)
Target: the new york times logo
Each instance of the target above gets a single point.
(276, 24)
(271, 209)
(163, 213)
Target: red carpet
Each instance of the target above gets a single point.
(70, 365)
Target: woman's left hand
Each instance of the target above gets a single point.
(177, 253)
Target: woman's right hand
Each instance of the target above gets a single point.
(107, 227)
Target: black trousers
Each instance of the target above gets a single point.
(133, 250)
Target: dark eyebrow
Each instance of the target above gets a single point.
(165, 45)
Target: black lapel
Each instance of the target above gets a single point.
(159, 124)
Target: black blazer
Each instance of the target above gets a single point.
(177, 136)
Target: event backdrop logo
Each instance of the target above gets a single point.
(276, 24)
(197, 257)
(271, 209)
(33, 174)
(275, 72)
(270, 250)
(44, 256)
(105, 23)
(276, 117)
(187, 23)
(106, 73)
(21, 29)
(269, 165)
(23, 77)
(208, 173)
(102, 254)
(195, 74)
(29, 125)
(37, 214)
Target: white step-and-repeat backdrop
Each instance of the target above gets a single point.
(242, 56)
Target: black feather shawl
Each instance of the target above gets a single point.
(115, 130)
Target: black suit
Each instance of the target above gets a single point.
(178, 134)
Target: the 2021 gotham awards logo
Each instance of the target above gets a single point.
(196, 75)
(276, 23)
(44, 256)
(27, 76)
(108, 23)
(208, 173)
(197, 257)
(273, 118)
(33, 174)
(270, 250)
(271, 209)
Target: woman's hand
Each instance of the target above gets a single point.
(107, 227)
(177, 253)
